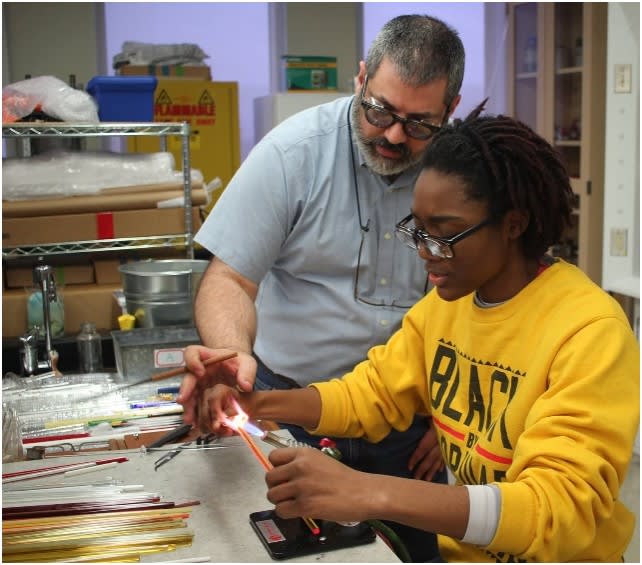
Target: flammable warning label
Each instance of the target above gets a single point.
(184, 106)
(270, 531)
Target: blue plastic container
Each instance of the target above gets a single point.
(124, 99)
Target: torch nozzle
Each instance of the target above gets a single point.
(278, 441)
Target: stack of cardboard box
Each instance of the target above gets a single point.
(202, 72)
(87, 284)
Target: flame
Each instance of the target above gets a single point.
(241, 420)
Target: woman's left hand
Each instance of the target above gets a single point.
(427, 460)
(307, 482)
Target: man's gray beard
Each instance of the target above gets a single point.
(377, 163)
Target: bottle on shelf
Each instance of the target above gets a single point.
(530, 55)
(90, 353)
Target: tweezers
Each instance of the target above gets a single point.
(169, 456)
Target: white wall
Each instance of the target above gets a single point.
(466, 17)
(621, 273)
(622, 157)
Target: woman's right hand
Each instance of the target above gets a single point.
(239, 371)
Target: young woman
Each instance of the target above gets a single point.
(529, 371)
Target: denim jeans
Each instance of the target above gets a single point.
(388, 457)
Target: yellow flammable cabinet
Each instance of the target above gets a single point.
(211, 109)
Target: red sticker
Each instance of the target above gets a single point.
(104, 225)
(270, 531)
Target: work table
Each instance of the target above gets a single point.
(229, 483)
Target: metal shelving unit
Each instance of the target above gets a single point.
(24, 132)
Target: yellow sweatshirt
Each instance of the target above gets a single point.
(539, 395)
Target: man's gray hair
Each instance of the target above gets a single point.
(422, 49)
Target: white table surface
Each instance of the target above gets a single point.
(229, 483)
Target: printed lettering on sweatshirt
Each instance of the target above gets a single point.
(470, 398)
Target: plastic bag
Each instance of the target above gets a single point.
(16, 104)
(49, 95)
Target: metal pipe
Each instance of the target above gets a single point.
(43, 276)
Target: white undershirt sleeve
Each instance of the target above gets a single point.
(483, 517)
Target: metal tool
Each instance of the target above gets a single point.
(326, 445)
(201, 443)
(169, 456)
(184, 447)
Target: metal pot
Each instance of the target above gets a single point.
(162, 292)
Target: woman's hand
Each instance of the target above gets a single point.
(238, 371)
(307, 482)
(426, 459)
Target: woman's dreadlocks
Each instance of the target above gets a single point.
(505, 163)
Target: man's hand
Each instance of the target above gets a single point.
(215, 404)
(426, 460)
(239, 371)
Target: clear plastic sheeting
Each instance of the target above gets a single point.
(60, 173)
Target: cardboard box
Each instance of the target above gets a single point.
(106, 271)
(109, 200)
(83, 303)
(211, 109)
(308, 73)
(202, 72)
(22, 277)
(91, 303)
(95, 226)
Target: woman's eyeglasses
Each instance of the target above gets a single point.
(437, 246)
(381, 117)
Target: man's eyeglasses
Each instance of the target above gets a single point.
(381, 117)
(438, 246)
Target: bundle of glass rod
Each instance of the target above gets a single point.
(63, 401)
(105, 522)
(70, 403)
